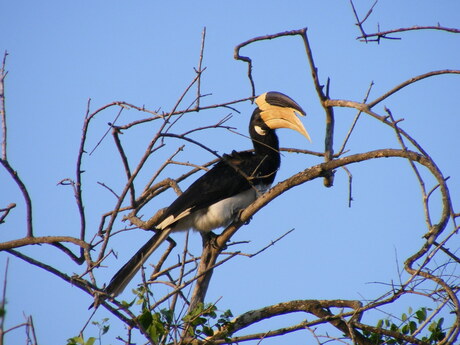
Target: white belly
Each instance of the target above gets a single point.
(219, 214)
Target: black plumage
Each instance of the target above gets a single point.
(217, 197)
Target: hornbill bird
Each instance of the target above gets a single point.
(216, 199)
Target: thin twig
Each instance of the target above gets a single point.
(425, 198)
(124, 159)
(6, 211)
(186, 283)
(108, 188)
(272, 243)
(350, 185)
(248, 60)
(181, 112)
(138, 168)
(199, 69)
(383, 34)
(329, 111)
(79, 171)
(409, 82)
(3, 74)
(359, 22)
(31, 329)
(111, 125)
(355, 120)
(3, 302)
(25, 193)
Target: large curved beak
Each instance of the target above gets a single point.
(280, 111)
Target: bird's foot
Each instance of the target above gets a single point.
(238, 217)
(210, 238)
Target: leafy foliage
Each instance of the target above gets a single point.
(202, 321)
(198, 321)
(410, 324)
(80, 340)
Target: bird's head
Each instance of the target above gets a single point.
(276, 110)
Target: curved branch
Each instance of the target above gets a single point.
(383, 34)
(319, 308)
(212, 249)
(21, 242)
(363, 107)
(238, 56)
(411, 81)
(25, 193)
(318, 171)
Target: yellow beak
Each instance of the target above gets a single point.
(279, 111)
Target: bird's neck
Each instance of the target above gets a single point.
(266, 143)
(267, 147)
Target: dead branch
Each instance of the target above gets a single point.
(3, 74)
(25, 241)
(25, 193)
(318, 308)
(248, 60)
(377, 36)
(212, 250)
(409, 82)
(6, 211)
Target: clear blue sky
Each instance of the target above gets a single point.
(61, 53)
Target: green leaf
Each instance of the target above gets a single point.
(432, 327)
(145, 319)
(156, 329)
(76, 340)
(225, 317)
(79, 340)
(394, 328)
(404, 317)
(168, 315)
(90, 341)
(127, 304)
(199, 321)
(198, 310)
(412, 326)
(440, 322)
(105, 329)
(405, 329)
(208, 331)
(421, 315)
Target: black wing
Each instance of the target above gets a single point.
(232, 175)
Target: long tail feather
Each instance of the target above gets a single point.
(129, 270)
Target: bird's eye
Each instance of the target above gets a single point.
(259, 130)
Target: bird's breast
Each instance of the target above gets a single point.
(223, 212)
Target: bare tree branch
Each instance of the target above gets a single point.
(39, 240)
(25, 193)
(377, 36)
